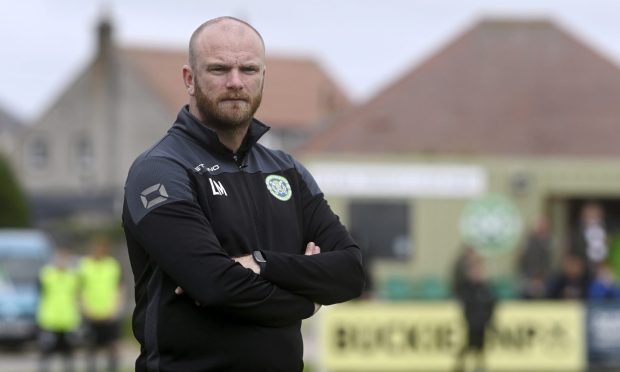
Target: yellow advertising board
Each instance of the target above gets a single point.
(382, 337)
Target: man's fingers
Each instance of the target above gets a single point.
(310, 249)
(180, 291)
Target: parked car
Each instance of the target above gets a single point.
(22, 254)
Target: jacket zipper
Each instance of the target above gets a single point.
(252, 204)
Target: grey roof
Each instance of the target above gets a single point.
(8, 122)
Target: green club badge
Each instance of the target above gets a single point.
(491, 224)
(279, 187)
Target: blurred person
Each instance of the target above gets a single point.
(591, 243)
(571, 282)
(478, 304)
(534, 261)
(223, 233)
(461, 268)
(102, 301)
(58, 314)
(604, 285)
(535, 287)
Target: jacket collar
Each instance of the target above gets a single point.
(191, 126)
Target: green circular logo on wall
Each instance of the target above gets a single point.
(491, 224)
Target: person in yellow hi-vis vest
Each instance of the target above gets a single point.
(58, 314)
(101, 300)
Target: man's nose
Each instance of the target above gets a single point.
(234, 80)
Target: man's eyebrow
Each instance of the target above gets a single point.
(244, 65)
(217, 63)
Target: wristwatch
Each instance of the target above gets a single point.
(259, 259)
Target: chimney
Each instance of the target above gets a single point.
(104, 34)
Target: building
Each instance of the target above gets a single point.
(10, 128)
(75, 158)
(517, 108)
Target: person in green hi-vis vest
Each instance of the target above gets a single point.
(58, 314)
(101, 299)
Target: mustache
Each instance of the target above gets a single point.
(237, 96)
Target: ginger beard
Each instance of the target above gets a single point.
(230, 111)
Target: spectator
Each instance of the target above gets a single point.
(101, 300)
(478, 304)
(604, 285)
(572, 280)
(58, 315)
(460, 269)
(590, 242)
(534, 263)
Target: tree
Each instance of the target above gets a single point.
(13, 206)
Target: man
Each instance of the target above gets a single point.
(58, 314)
(478, 304)
(101, 300)
(223, 233)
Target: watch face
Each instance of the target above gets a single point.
(258, 256)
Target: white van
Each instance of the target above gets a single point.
(22, 254)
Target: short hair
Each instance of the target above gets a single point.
(192, 40)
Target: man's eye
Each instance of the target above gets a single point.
(217, 70)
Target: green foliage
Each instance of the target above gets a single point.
(13, 206)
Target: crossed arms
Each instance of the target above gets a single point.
(288, 290)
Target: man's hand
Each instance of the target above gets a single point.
(179, 291)
(311, 250)
(248, 262)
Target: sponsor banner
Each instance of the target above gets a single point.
(527, 336)
(603, 325)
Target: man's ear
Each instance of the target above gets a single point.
(188, 79)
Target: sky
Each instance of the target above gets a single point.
(365, 45)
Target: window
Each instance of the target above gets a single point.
(83, 154)
(381, 228)
(38, 153)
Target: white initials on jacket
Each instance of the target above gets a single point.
(217, 188)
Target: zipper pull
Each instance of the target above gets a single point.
(236, 159)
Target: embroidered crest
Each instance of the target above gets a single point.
(279, 187)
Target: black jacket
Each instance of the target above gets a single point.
(478, 301)
(191, 205)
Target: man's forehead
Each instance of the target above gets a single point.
(228, 58)
(231, 32)
(224, 42)
(228, 26)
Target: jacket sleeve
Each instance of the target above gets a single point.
(178, 238)
(336, 274)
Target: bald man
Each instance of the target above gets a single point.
(231, 244)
